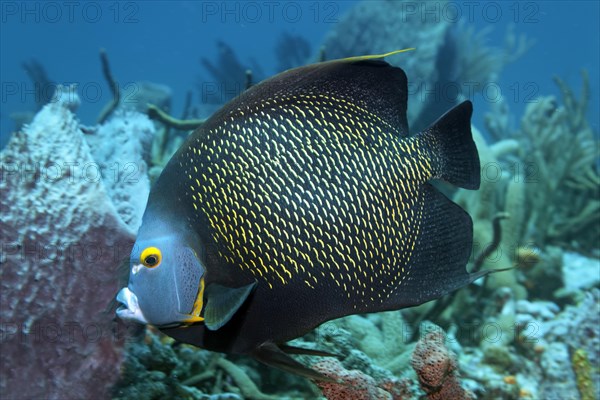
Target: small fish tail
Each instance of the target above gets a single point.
(453, 151)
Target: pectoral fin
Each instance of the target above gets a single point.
(270, 354)
(223, 302)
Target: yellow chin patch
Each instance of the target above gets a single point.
(198, 304)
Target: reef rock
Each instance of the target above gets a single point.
(437, 368)
(62, 238)
(121, 150)
(579, 272)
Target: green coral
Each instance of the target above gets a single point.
(556, 160)
(545, 176)
(583, 372)
(243, 381)
(560, 146)
(165, 143)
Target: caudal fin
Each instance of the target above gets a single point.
(453, 152)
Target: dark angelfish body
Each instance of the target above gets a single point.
(301, 201)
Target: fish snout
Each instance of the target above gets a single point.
(130, 309)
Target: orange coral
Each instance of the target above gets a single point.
(356, 385)
(525, 394)
(436, 368)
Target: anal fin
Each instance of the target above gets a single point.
(286, 348)
(270, 354)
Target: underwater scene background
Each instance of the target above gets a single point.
(97, 96)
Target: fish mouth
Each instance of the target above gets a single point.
(130, 309)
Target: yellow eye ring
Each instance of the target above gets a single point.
(151, 257)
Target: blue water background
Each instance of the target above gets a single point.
(163, 42)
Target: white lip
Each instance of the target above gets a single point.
(130, 309)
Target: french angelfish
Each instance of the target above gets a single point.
(302, 200)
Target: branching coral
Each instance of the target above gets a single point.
(159, 115)
(114, 88)
(247, 387)
(558, 161)
(447, 55)
(561, 152)
(165, 143)
(482, 63)
(229, 75)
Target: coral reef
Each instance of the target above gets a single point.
(530, 360)
(530, 174)
(355, 384)
(561, 147)
(578, 326)
(382, 337)
(121, 148)
(579, 273)
(556, 337)
(436, 367)
(446, 56)
(65, 225)
(482, 63)
(484, 205)
(559, 380)
(382, 26)
(583, 373)
(170, 136)
(230, 76)
(71, 205)
(557, 160)
(156, 367)
(151, 99)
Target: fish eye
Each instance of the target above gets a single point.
(151, 257)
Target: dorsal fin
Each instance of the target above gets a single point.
(364, 81)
